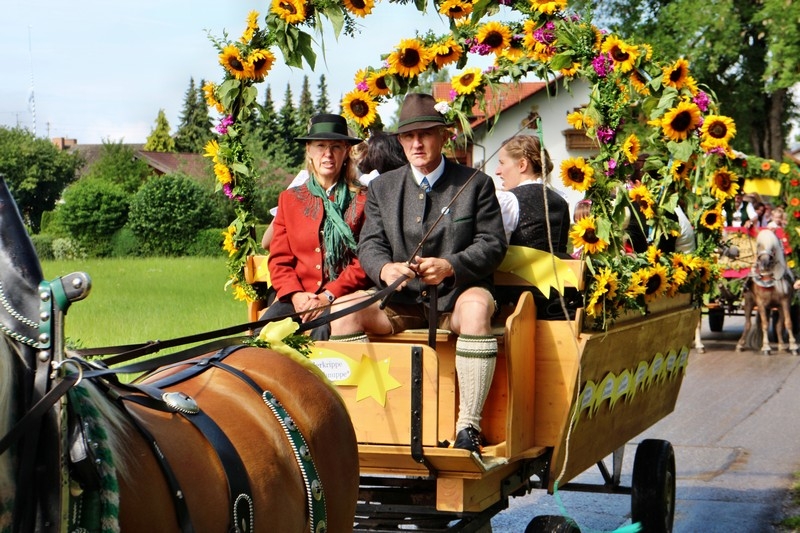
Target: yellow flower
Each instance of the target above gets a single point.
(212, 150)
(623, 54)
(680, 170)
(455, 9)
(570, 71)
(228, 244)
(653, 254)
(447, 52)
(639, 83)
(577, 174)
(252, 26)
(548, 6)
(631, 148)
(712, 218)
(467, 81)
(584, 233)
(359, 8)
(656, 282)
(784, 168)
(638, 283)
(223, 173)
(410, 58)
(606, 284)
(291, 11)
(724, 184)
(240, 294)
(377, 85)
(676, 75)
(359, 107)
(679, 121)
(717, 130)
(232, 61)
(579, 120)
(261, 62)
(641, 197)
(494, 35)
(209, 90)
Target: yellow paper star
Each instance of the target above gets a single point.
(537, 267)
(374, 380)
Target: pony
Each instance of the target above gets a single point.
(239, 439)
(767, 286)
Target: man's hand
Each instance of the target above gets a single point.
(392, 271)
(433, 270)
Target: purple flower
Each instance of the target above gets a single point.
(363, 86)
(228, 190)
(605, 134)
(453, 94)
(222, 127)
(545, 34)
(612, 166)
(481, 49)
(702, 100)
(602, 65)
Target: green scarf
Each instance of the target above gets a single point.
(337, 237)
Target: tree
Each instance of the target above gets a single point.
(194, 130)
(289, 129)
(36, 172)
(738, 48)
(159, 139)
(305, 110)
(92, 212)
(119, 165)
(323, 103)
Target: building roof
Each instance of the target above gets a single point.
(193, 165)
(508, 95)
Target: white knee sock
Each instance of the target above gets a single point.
(476, 356)
(352, 337)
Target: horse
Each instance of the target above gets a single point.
(238, 439)
(768, 285)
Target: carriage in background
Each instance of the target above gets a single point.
(562, 400)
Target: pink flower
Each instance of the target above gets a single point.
(702, 100)
(603, 65)
(222, 127)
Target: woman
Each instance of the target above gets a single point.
(312, 254)
(522, 200)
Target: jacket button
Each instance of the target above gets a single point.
(318, 267)
(419, 219)
(421, 196)
(317, 250)
(424, 293)
(319, 284)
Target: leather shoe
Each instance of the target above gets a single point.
(469, 439)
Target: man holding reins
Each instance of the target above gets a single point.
(435, 223)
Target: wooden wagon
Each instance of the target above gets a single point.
(562, 400)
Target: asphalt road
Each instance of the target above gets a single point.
(737, 443)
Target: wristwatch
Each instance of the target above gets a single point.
(327, 294)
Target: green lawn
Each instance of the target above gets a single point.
(136, 300)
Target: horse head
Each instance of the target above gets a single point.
(770, 265)
(20, 275)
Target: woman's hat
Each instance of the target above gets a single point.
(328, 127)
(418, 112)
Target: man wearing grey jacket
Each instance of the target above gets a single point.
(466, 244)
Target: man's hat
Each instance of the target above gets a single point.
(418, 113)
(328, 127)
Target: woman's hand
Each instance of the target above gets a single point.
(314, 304)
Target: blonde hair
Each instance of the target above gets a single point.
(528, 147)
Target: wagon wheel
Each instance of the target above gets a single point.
(653, 486)
(552, 524)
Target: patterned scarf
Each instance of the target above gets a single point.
(337, 237)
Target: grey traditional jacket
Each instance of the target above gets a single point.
(469, 234)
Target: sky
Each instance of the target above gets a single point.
(101, 70)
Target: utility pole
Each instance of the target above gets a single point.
(31, 98)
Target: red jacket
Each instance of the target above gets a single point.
(295, 253)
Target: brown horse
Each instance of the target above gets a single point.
(768, 286)
(257, 441)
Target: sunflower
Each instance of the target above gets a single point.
(623, 54)
(724, 184)
(584, 233)
(548, 7)
(712, 218)
(252, 26)
(240, 293)
(606, 284)
(228, 243)
(232, 61)
(638, 283)
(680, 120)
(656, 284)
(631, 148)
(377, 85)
(359, 107)
(570, 71)
(641, 197)
(446, 52)
(210, 93)
(680, 171)
(359, 8)
(512, 53)
(410, 58)
(223, 173)
(653, 254)
(494, 35)
(455, 9)
(639, 83)
(260, 62)
(467, 81)
(676, 75)
(717, 130)
(579, 120)
(291, 11)
(212, 150)
(577, 174)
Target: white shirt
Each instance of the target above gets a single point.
(302, 177)
(509, 207)
(737, 221)
(685, 242)
(433, 177)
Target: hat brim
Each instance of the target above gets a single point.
(328, 136)
(422, 125)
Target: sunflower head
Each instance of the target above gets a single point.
(494, 35)
(377, 85)
(291, 11)
(455, 9)
(584, 235)
(724, 184)
(623, 55)
(681, 120)
(656, 282)
(447, 52)
(468, 81)
(359, 107)
(410, 58)
(231, 60)
(712, 218)
(717, 130)
(677, 74)
(261, 62)
(577, 174)
(359, 8)
(631, 148)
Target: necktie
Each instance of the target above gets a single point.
(425, 185)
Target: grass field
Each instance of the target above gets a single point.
(136, 300)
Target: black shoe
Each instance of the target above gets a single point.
(468, 439)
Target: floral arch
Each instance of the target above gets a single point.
(639, 105)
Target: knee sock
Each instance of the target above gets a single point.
(359, 336)
(476, 356)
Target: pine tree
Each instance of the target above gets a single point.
(268, 122)
(306, 108)
(323, 103)
(288, 129)
(159, 139)
(194, 130)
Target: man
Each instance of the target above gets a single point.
(458, 206)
